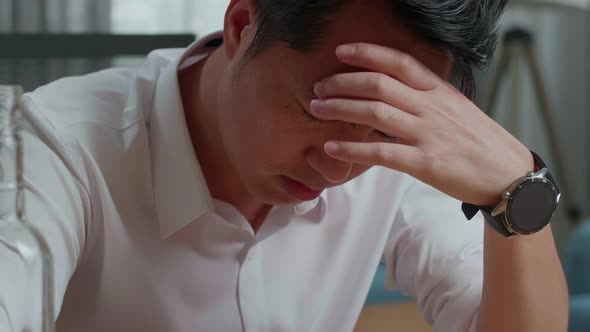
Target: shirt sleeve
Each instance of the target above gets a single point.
(58, 206)
(435, 255)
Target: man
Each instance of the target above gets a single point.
(229, 187)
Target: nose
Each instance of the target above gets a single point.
(335, 171)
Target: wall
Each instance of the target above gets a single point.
(562, 48)
(201, 17)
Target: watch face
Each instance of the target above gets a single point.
(531, 206)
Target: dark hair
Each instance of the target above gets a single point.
(465, 29)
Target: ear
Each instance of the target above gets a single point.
(239, 26)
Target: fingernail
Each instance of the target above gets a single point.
(332, 147)
(345, 50)
(316, 104)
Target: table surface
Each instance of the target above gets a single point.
(392, 317)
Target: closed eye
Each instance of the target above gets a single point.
(313, 118)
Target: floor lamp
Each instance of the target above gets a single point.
(518, 44)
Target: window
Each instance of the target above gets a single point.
(167, 16)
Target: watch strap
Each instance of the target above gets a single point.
(471, 210)
(498, 222)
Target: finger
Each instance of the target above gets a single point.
(368, 85)
(389, 61)
(403, 158)
(383, 117)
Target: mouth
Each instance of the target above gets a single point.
(299, 191)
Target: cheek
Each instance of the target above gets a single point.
(264, 128)
(265, 136)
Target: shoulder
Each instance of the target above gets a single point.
(112, 98)
(102, 113)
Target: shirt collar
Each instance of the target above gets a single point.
(180, 189)
(306, 207)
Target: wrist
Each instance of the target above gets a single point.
(526, 206)
(520, 169)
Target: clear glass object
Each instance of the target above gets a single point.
(21, 243)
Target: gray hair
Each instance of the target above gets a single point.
(464, 29)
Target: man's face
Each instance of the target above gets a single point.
(269, 135)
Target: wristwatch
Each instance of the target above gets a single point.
(527, 205)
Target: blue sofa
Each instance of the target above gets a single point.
(576, 264)
(379, 295)
(577, 269)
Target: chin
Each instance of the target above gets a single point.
(280, 198)
(273, 195)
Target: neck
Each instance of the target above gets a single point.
(200, 86)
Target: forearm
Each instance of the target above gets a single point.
(524, 285)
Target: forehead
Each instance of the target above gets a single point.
(371, 22)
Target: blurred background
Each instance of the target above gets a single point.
(537, 88)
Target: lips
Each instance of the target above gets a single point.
(299, 191)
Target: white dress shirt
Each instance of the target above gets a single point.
(115, 186)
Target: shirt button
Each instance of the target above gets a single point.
(299, 210)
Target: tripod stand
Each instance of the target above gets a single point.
(518, 43)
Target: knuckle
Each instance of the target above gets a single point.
(381, 113)
(434, 163)
(379, 84)
(405, 61)
(354, 152)
(336, 81)
(363, 50)
(406, 64)
(428, 165)
(382, 152)
(430, 161)
(337, 106)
